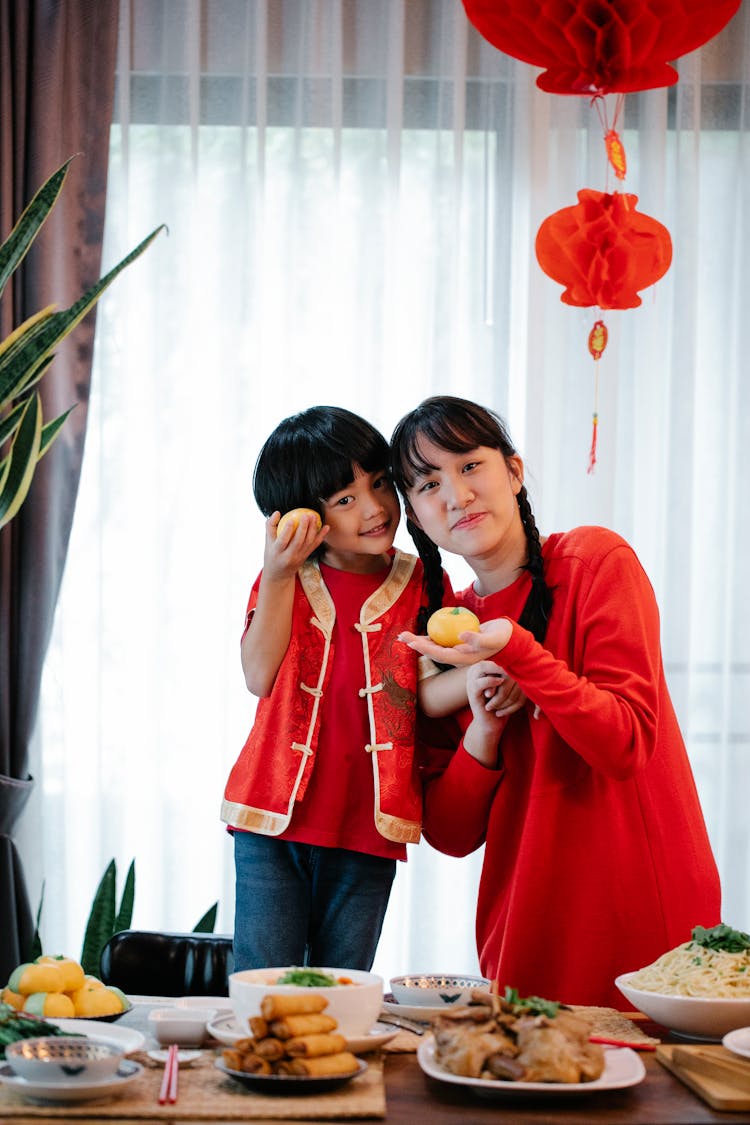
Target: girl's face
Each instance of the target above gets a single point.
(466, 502)
(363, 518)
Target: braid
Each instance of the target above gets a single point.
(433, 573)
(535, 613)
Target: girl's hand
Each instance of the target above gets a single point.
(502, 696)
(492, 637)
(286, 551)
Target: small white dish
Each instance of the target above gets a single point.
(184, 1058)
(128, 1039)
(226, 1029)
(738, 1041)
(72, 1091)
(217, 1004)
(622, 1067)
(184, 1026)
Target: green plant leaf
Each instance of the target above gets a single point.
(25, 231)
(99, 928)
(208, 921)
(125, 913)
(22, 359)
(36, 941)
(17, 470)
(10, 423)
(50, 431)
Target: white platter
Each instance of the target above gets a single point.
(622, 1067)
(738, 1041)
(126, 1038)
(226, 1029)
(72, 1091)
(184, 1058)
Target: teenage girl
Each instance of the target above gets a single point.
(597, 859)
(325, 794)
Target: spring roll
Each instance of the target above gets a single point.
(246, 1061)
(278, 1005)
(344, 1062)
(271, 1049)
(292, 1026)
(258, 1026)
(311, 1046)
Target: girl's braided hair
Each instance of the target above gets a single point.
(458, 426)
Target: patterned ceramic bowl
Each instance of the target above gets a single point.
(63, 1058)
(434, 990)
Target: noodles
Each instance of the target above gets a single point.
(693, 970)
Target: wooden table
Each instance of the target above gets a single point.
(414, 1099)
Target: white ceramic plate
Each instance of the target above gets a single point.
(184, 1058)
(738, 1041)
(422, 1013)
(226, 1029)
(622, 1067)
(126, 1038)
(72, 1091)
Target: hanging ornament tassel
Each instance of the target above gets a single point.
(597, 343)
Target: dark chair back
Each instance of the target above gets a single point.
(150, 963)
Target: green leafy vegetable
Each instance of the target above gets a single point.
(307, 978)
(535, 1005)
(18, 1025)
(722, 938)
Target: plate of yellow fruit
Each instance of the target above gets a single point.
(57, 987)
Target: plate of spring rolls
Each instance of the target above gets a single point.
(293, 1048)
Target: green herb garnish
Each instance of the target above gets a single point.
(535, 1005)
(307, 978)
(722, 938)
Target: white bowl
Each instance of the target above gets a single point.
(354, 1006)
(698, 1017)
(434, 990)
(184, 1026)
(52, 1058)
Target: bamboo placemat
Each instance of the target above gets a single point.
(207, 1094)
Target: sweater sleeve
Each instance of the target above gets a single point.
(609, 712)
(458, 795)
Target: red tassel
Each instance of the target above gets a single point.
(592, 451)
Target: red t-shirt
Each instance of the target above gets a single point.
(337, 809)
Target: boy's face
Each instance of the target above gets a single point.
(363, 518)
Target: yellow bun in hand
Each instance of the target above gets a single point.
(447, 624)
(293, 517)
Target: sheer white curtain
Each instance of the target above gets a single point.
(352, 192)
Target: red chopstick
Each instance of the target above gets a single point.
(622, 1043)
(168, 1091)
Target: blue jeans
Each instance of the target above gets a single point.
(301, 904)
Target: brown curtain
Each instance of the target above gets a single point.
(57, 63)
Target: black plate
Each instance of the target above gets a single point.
(286, 1084)
(104, 1019)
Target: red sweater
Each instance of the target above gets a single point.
(597, 859)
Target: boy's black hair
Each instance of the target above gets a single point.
(311, 455)
(458, 425)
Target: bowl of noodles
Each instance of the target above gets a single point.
(700, 989)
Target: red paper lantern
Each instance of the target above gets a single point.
(603, 250)
(600, 46)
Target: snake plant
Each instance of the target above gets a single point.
(26, 354)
